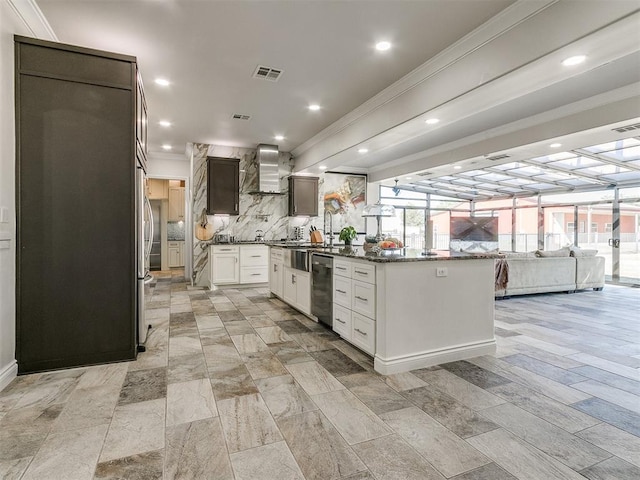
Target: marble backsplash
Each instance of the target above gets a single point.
(175, 231)
(264, 212)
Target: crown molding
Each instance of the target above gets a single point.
(33, 19)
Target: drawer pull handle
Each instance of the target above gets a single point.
(255, 274)
(340, 291)
(360, 332)
(340, 268)
(360, 272)
(256, 256)
(361, 298)
(341, 321)
(225, 249)
(275, 268)
(293, 279)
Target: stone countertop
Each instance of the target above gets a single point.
(394, 256)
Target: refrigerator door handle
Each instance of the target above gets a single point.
(147, 254)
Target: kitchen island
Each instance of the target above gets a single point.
(411, 311)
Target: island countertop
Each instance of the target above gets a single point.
(391, 256)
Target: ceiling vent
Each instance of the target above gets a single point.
(498, 157)
(627, 128)
(239, 116)
(267, 73)
(424, 174)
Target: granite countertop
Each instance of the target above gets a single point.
(395, 256)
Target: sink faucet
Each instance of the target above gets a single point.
(328, 233)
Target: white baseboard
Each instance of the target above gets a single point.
(433, 357)
(8, 373)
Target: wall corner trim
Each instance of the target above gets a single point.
(34, 20)
(8, 373)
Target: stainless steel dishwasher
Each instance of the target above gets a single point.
(322, 288)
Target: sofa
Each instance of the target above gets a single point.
(564, 270)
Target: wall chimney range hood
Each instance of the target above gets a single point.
(267, 170)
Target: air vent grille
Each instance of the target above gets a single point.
(239, 116)
(424, 174)
(627, 128)
(268, 73)
(498, 157)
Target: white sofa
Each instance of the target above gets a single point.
(533, 274)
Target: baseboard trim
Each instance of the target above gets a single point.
(433, 357)
(7, 374)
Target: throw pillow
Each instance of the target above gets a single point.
(579, 252)
(562, 252)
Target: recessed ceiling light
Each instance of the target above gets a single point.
(322, 167)
(163, 82)
(432, 121)
(383, 46)
(575, 60)
(363, 150)
(555, 145)
(314, 107)
(164, 123)
(279, 137)
(407, 178)
(457, 167)
(166, 147)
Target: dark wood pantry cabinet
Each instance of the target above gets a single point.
(76, 144)
(223, 186)
(303, 196)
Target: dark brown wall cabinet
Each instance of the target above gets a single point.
(303, 196)
(75, 182)
(223, 186)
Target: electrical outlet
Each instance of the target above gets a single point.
(442, 271)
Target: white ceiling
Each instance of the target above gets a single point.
(489, 69)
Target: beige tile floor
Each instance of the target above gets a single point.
(236, 385)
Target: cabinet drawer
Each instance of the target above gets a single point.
(363, 272)
(342, 321)
(342, 268)
(225, 248)
(363, 333)
(254, 275)
(253, 257)
(342, 291)
(277, 253)
(173, 244)
(363, 298)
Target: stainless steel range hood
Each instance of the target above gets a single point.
(268, 172)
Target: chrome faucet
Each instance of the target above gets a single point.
(328, 233)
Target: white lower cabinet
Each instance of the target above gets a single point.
(363, 333)
(254, 263)
(175, 253)
(225, 268)
(354, 303)
(297, 289)
(232, 264)
(342, 321)
(276, 272)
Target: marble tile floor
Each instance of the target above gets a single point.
(236, 385)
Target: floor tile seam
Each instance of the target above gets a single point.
(598, 463)
(545, 453)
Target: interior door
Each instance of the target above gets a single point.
(629, 243)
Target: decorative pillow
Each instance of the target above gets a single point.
(579, 252)
(519, 254)
(562, 252)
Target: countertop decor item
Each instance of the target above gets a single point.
(379, 210)
(348, 234)
(204, 229)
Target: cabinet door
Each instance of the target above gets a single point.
(276, 275)
(223, 185)
(303, 291)
(176, 204)
(225, 268)
(342, 321)
(363, 334)
(181, 255)
(174, 256)
(303, 196)
(289, 289)
(363, 298)
(157, 189)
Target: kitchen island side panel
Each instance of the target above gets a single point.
(423, 319)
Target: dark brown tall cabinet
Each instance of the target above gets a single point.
(223, 186)
(75, 163)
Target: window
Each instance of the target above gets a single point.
(607, 228)
(571, 227)
(594, 227)
(582, 227)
